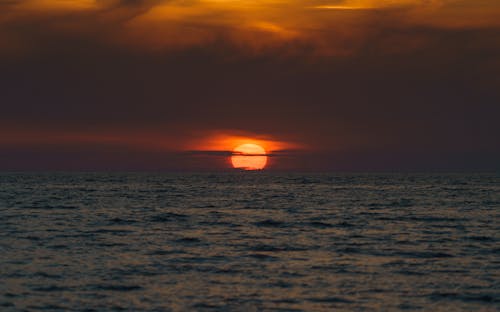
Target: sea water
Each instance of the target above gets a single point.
(249, 241)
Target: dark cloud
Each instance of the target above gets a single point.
(279, 153)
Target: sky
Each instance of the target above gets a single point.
(322, 85)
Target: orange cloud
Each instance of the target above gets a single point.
(56, 5)
(326, 27)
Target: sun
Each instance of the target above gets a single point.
(249, 157)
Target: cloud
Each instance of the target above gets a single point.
(252, 27)
(279, 153)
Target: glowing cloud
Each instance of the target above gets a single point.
(323, 27)
(56, 5)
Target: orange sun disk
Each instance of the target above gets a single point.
(249, 157)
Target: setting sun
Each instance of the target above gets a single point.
(249, 157)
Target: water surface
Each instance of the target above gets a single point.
(249, 241)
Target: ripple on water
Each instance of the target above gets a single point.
(249, 242)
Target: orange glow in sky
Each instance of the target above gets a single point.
(228, 142)
(246, 156)
(245, 148)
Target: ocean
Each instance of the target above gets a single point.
(249, 241)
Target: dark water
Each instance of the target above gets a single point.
(249, 242)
